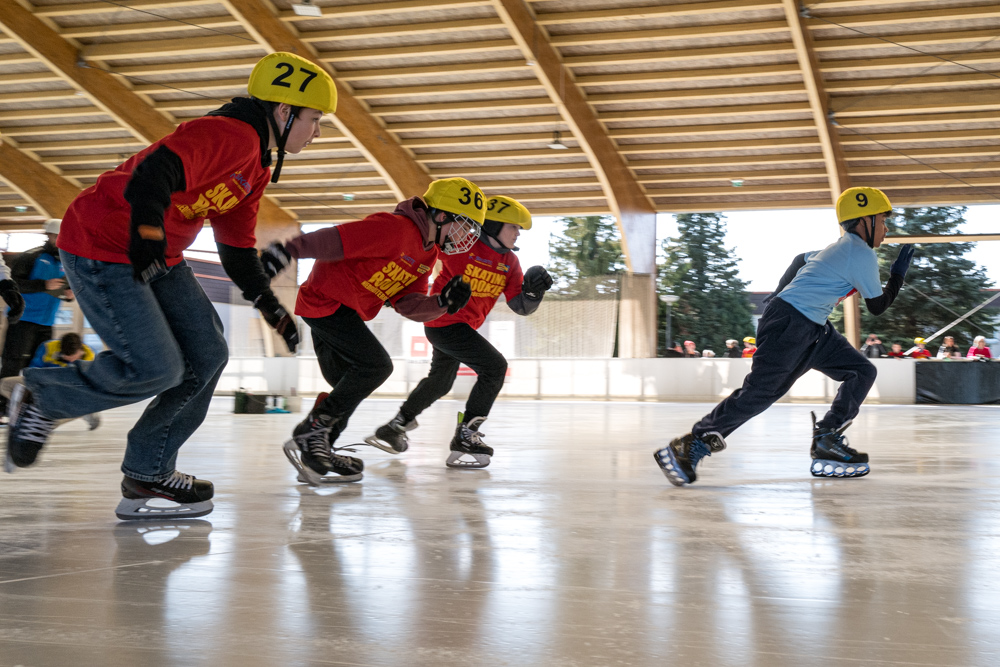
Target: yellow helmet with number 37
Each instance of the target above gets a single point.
(507, 210)
(290, 79)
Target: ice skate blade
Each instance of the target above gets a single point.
(136, 509)
(8, 463)
(828, 468)
(327, 480)
(455, 460)
(378, 444)
(668, 464)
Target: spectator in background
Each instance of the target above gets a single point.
(921, 352)
(979, 349)
(40, 278)
(749, 346)
(897, 351)
(674, 351)
(689, 349)
(707, 353)
(733, 350)
(949, 350)
(62, 351)
(873, 347)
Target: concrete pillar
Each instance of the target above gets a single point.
(637, 313)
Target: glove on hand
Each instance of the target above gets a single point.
(10, 294)
(537, 281)
(278, 318)
(275, 259)
(455, 295)
(902, 261)
(147, 252)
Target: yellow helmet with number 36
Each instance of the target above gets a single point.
(860, 202)
(507, 210)
(459, 196)
(290, 79)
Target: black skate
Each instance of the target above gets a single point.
(831, 455)
(28, 432)
(309, 451)
(187, 497)
(468, 443)
(679, 459)
(392, 437)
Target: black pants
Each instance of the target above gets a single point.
(351, 360)
(788, 345)
(23, 339)
(453, 345)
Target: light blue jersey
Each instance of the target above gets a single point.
(830, 274)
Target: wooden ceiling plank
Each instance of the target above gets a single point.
(865, 19)
(147, 27)
(450, 71)
(458, 88)
(660, 34)
(635, 213)
(383, 8)
(88, 8)
(73, 128)
(476, 123)
(162, 47)
(416, 51)
(666, 11)
(400, 30)
(403, 174)
(662, 76)
(833, 155)
(891, 104)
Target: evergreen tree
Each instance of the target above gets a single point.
(589, 249)
(713, 304)
(940, 286)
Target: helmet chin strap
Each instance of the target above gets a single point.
(871, 232)
(280, 139)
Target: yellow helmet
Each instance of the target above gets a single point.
(750, 339)
(458, 196)
(291, 79)
(857, 202)
(919, 341)
(507, 210)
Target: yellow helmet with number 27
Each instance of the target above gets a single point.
(290, 79)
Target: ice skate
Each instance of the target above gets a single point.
(309, 451)
(178, 496)
(833, 457)
(467, 447)
(28, 430)
(92, 420)
(679, 459)
(392, 437)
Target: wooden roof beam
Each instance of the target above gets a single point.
(403, 174)
(46, 190)
(833, 154)
(636, 214)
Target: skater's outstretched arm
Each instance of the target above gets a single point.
(424, 308)
(536, 282)
(897, 272)
(324, 245)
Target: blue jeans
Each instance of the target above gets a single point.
(163, 339)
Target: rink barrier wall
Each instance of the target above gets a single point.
(694, 380)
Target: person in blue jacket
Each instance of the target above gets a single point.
(39, 276)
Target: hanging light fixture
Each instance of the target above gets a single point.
(557, 144)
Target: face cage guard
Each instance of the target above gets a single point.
(463, 236)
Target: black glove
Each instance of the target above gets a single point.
(455, 295)
(10, 294)
(147, 253)
(279, 319)
(902, 261)
(537, 281)
(275, 259)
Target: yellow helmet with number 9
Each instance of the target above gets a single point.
(861, 202)
(290, 79)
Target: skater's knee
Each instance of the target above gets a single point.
(155, 373)
(381, 368)
(493, 368)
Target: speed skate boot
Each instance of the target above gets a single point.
(392, 437)
(679, 459)
(28, 432)
(309, 451)
(832, 456)
(468, 443)
(188, 497)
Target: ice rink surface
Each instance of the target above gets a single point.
(570, 549)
